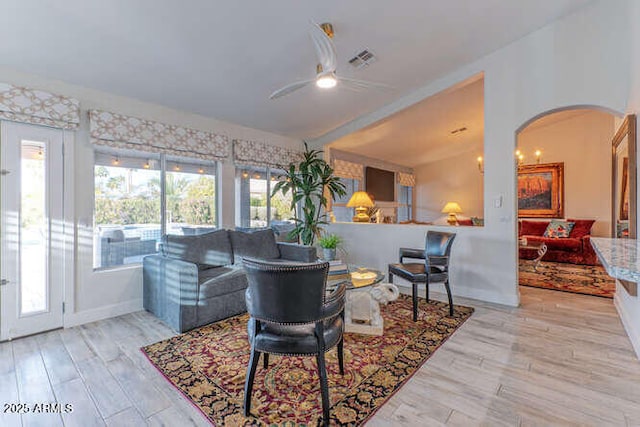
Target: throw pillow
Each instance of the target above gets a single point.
(207, 250)
(478, 222)
(559, 229)
(258, 244)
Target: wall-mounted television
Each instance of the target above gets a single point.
(380, 184)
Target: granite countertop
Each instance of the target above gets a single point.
(620, 257)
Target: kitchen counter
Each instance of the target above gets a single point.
(620, 257)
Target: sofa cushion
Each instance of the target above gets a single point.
(559, 229)
(566, 244)
(206, 250)
(258, 244)
(465, 222)
(221, 281)
(581, 228)
(532, 228)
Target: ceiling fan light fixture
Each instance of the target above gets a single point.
(326, 81)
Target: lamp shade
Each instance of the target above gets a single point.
(452, 207)
(360, 199)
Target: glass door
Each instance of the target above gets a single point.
(32, 230)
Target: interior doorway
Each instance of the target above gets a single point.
(32, 227)
(564, 198)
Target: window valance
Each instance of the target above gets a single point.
(407, 179)
(120, 131)
(254, 153)
(349, 170)
(21, 104)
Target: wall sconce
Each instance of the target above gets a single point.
(146, 165)
(245, 175)
(481, 164)
(538, 154)
(200, 170)
(116, 160)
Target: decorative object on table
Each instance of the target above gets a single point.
(329, 244)
(303, 320)
(208, 366)
(452, 208)
(579, 279)
(310, 182)
(337, 268)
(623, 178)
(360, 200)
(434, 269)
(541, 190)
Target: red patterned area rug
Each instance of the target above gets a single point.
(579, 279)
(208, 365)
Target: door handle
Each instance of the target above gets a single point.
(4, 282)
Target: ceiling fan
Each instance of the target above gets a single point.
(326, 78)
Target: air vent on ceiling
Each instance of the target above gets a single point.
(363, 59)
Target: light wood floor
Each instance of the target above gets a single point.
(559, 359)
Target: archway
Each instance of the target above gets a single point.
(563, 193)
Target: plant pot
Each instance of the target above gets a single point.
(328, 254)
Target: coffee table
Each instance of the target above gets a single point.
(541, 247)
(363, 298)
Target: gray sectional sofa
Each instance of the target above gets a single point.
(199, 279)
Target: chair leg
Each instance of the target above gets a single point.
(415, 301)
(324, 387)
(248, 385)
(341, 355)
(390, 275)
(446, 285)
(426, 285)
(265, 361)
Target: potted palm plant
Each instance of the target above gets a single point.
(329, 243)
(310, 182)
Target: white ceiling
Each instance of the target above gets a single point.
(223, 58)
(422, 133)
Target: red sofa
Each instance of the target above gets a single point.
(575, 249)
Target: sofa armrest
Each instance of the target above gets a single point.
(170, 290)
(296, 252)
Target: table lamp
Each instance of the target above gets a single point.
(361, 201)
(452, 208)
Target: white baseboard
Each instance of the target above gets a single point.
(632, 330)
(476, 294)
(100, 313)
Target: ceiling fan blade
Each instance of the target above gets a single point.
(325, 49)
(361, 84)
(289, 88)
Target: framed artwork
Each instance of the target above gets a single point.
(541, 191)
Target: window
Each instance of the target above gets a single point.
(128, 213)
(339, 206)
(256, 207)
(405, 203)
(190, 192)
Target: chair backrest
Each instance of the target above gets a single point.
(438, 244)
(285, 293)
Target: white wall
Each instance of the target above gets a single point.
(583, 143)
(582, 59)
(454, 179)
(100, 294)
(628, 306)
